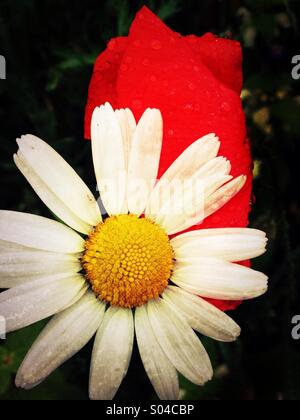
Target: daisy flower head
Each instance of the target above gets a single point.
(132, 271)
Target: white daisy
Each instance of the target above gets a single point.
(124, 275)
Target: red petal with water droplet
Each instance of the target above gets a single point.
(195, 82)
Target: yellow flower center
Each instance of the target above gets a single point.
(128, 260)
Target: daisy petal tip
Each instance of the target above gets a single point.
(206, 377)
(21, 140)
(154, 113)
(264, 287)
(243, 179)
(107, 107)
(235, 334)
(22, 382)
(209, 138)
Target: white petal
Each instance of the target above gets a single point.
(32, 302)
(109, 159)
(144, 160)
(197, 155)
(202, 316)
(11, 247)
(217, 279)
(49, 198)
(202, 203)
(224, 194)
(57, 184)
(161, 372)
(38, 232)
(112, 353)
(186, 205)
(63, 337)
(231, 244)
(24, 266)
(128, 125)
(179, 342)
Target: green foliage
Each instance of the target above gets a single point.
(50, 47)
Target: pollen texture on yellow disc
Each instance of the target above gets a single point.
(128, 260)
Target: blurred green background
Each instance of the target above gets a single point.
(50, 47)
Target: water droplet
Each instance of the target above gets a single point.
(156, 44)
(170, 132)
(192, 86)
(124, 67)
(128, 59)
(112, 44)
(146, 62)
(225, 106)
(136, 43)
(136, 104)
(98, 76)
(188, 107)
(192, 39)
(153, 78)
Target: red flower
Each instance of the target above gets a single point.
(195, 82)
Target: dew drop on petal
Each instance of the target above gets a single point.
(112, 44)
(153, 78)
(136, 43)
(192, 86)
(171, 132)
(196, 68)
(124, 67)
(98, 76)
(156, 44)
(128, 59)
(225, 106)
(136, 104)
(188, 107)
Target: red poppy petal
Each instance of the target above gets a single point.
(159, 68)
(104, 79)
(222, 56)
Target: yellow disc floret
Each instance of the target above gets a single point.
(128, 260)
